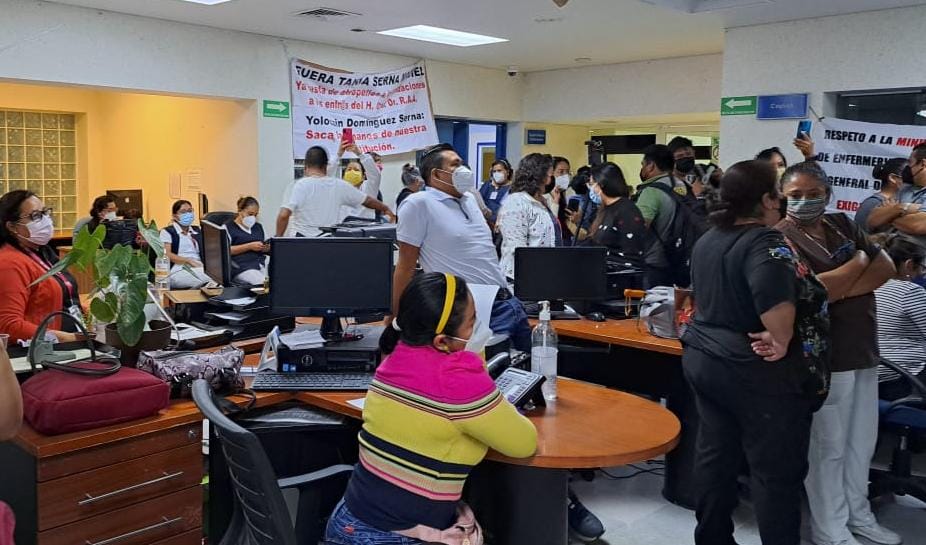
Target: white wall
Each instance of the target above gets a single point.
(45, 42)
(659, 88)
(875, 50)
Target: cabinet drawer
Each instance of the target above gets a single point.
(112, 453)
(193, 537)
(91, 493)
(141, 524)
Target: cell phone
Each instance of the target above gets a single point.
(573, 204)
(804, 128)
(347, 136)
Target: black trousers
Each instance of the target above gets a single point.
(772, 431)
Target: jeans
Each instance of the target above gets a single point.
(842, 444)
(346, 529)
(772, 431)
(508, 317)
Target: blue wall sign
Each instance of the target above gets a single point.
(782, 106)
(537, 136)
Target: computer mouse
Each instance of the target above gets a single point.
(595, 316)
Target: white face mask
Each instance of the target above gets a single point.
(499, 177)
(478, 340)
(249, 221)
(462, 179)
(110, 216)
(41, 231)
(562, 181)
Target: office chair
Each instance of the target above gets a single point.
(219, 218)
(905, 418)
(260, 514)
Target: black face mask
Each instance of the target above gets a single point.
(685, 165)
(783, 207)
(907, 175)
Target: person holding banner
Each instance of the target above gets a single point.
(364, 173)
(317, 198)
(845, 429)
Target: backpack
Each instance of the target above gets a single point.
(689, 222)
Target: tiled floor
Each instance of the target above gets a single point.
(634, 513)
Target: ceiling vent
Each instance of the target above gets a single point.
(327, 14)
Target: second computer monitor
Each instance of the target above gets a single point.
(217, 254)
(572, 273)
(330, 277)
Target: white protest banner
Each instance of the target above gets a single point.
(849, 150)
(388, 112)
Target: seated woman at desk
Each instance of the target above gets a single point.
(619, 224)
(248, 246)
(182, 241)
(431, 414)
(103, 209)
(26, 227)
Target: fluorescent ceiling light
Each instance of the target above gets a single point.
(921, 113)
(439, 35)
(207, 2)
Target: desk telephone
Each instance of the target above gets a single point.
(519, 386)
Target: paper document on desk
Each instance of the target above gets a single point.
(21, 365)
(307, 338)
(231, 316)
(241, 301)
(189, 333)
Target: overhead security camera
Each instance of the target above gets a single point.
(512, 71)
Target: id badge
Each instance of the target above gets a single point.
(493, 196)
(77, 313)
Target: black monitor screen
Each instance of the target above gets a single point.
(128, 202)
(216, 254)
(330, 276)
(560, 274)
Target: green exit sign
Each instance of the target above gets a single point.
(738, 106)
(276, 108)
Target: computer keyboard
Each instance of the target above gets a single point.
(275, 382)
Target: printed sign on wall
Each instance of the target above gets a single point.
(388, 112)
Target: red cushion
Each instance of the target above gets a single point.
(58, 402)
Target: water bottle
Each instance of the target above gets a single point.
(162, 273)
(544, 352)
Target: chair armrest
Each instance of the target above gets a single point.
(909, 401)
(313, 477)
(915, 383)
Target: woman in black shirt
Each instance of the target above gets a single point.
(619, 225)
(248, 246)
(755, 357)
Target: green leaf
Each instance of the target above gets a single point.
(61, 265)
(131, 319)
(112, 300)
(102, 311)
(152, 236)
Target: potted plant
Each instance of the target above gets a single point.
(120, 291)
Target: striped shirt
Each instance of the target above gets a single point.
(901, 326)
(428, 418)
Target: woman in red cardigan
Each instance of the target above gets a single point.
(26, 227)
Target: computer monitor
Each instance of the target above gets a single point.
(330, 278)
(127, 200)
(217, 253)
(571, 273)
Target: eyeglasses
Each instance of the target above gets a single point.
(37, 215)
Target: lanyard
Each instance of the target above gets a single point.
(62, 278)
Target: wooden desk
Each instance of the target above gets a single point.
(628, 333)
(148, 471)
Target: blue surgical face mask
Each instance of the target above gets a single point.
(185, 219)
(594, 196)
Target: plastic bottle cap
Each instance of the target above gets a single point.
(544, 311)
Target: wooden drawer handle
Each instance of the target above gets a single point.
(91, 499)
(133, 533)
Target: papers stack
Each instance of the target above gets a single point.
(301, 340)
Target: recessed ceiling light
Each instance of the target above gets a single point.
(439, 35)
(207, 2)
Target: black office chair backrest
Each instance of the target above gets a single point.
(257, 493)
(219, 218)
